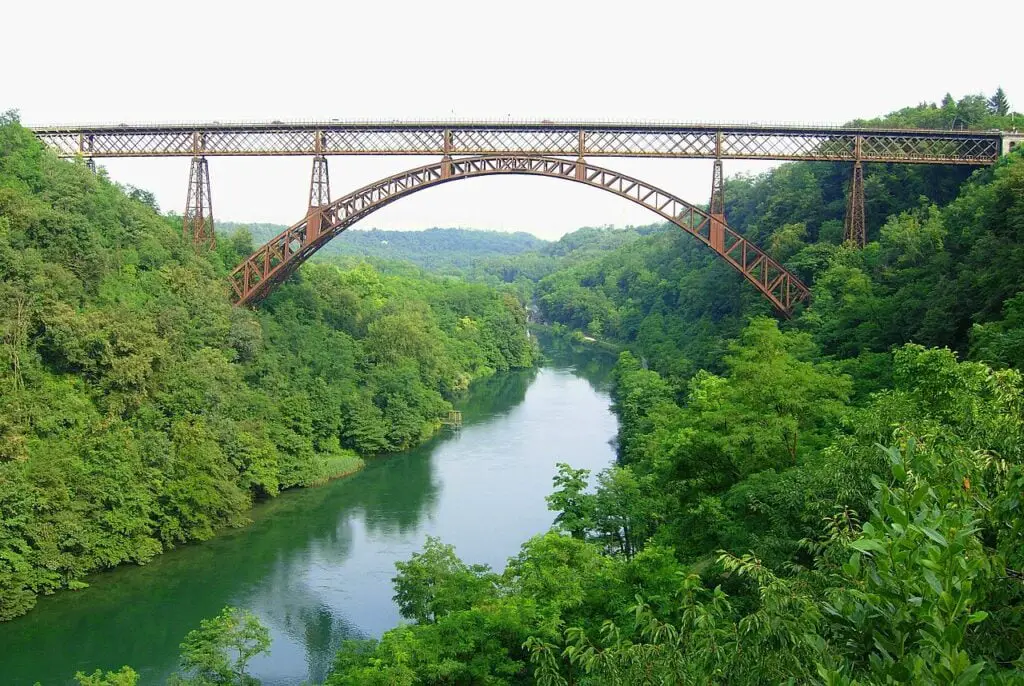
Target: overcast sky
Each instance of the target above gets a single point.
(111, 62)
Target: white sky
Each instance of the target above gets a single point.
(107, 61)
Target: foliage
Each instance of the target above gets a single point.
(833, 500)
(905, 598)
(998, 104)
(219, 651)
(440, 250)
(125, 676)
(436, 583)
(140, 411)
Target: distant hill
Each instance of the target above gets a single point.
(434, 249)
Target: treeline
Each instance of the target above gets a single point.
(833, 500)
(139, 410)
(440, 250)
(755, 533)
(933, 269)
(511, 262)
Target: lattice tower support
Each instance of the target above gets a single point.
(319, 196)
(198, 220)
(855, 230)
(716, 207)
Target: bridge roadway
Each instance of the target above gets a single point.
(545, 138)
(473, 149)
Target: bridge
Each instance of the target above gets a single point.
(546, 148)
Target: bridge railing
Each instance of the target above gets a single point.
(589, 139)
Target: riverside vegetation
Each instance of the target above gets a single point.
(834, 499)
(139, 410)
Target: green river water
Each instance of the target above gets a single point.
(316, 564)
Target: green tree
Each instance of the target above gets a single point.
(126, 676)
(624, 512)
(921, 545)
(435, 583)
(998, 104)
(574, 506)
(775, 404)
(219, 651)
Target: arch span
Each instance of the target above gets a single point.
(276, 260)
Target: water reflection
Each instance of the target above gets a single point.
(495, 395)
(589, 361)
(316, 565)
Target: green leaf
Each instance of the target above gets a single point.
(932, 580)
(977, 617)
(852, 568)
(867, 545)
(934, 535)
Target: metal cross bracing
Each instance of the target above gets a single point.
(319, 194)
(716, 206)
(282, 255)
(855, 229)
(197, 222)
(518, 148)
(319, 183)
(707, 141)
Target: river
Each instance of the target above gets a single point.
(316, 564)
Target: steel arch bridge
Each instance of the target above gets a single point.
(283, 254)
(471, 149)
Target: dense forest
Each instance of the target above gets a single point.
(439, 250)
(831, 499)
(139, 410)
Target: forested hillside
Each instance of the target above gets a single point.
(139, 410)
(833, 499)
(441, 250)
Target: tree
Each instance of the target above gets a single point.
(624, 515)
(126, 676)
(574, 507)
(971, 111)
(435, 583)
(997, 104)
(917, 578)
(221, 648)
(774, 405)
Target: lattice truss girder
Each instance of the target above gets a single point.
(279, 258)
(776, 143)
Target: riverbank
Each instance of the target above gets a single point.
(328, 468)
(315, 564)
(564, 333)
(337, 466)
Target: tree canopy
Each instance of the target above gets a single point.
(833, 499)
(140, 411)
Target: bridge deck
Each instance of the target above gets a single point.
(576, 139)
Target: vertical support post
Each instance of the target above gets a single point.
(197, 223)
(319, 191)
(581, 165)
(446, 155)
(85, 150)
(856, 233)
(716, 206)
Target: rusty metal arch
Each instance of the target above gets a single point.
(276, 260)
